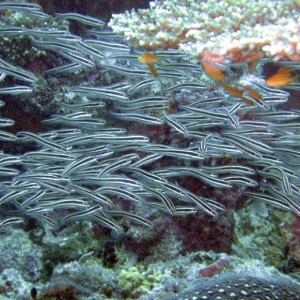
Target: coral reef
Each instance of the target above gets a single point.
(139, 173)
(85, 275)
(255, 236)
(235, 31)
(13, 285)
(20, 253)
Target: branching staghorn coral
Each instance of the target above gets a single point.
(218, 31)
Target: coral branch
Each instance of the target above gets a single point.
(216, 30)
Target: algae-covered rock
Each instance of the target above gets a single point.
(260, 236)
(18, 252)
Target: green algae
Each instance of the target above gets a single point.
(135, 281)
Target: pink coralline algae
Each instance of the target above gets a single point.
(215, 268)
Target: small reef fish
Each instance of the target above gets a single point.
(213, 71)
(217, 74)
(234, 91)
(253, 93)
(283, 77)
(237, 92)
(256, 96)
(150, 59)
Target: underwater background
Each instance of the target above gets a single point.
(149, 149)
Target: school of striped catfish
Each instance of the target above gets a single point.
(165, 118)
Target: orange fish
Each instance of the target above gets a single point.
(212, 71)
(149, 59)
(283, 77)
(248, 101)
(258, 98)
(237, 92)
(254, 94)
(232, 90)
